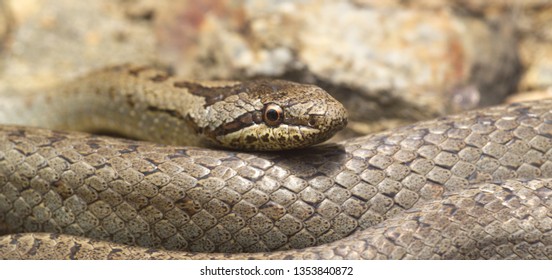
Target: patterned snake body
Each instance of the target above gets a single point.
(436, 189)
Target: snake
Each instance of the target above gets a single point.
(469, 186)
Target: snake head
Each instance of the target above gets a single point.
(272, 115)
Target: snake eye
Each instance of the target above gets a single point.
(273, 115)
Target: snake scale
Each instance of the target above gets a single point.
(472, 186)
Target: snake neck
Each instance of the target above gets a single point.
(122, 105)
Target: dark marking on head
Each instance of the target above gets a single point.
(230, 127)
(211, 94)
(250, 139)
(265, 137)
(246, 118)
(240, 122)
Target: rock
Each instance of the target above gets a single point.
(382, 62)
(56, 40)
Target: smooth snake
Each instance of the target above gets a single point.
(473, 185)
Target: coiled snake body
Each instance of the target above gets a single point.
(469, 186)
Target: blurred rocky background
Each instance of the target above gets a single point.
(390, 64)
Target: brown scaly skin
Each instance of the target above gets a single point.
(420, 191)
(514, 225)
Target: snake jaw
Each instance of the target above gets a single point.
(265, 138)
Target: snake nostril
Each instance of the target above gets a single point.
(312, 122)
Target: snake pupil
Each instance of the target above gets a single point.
(273, 115)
